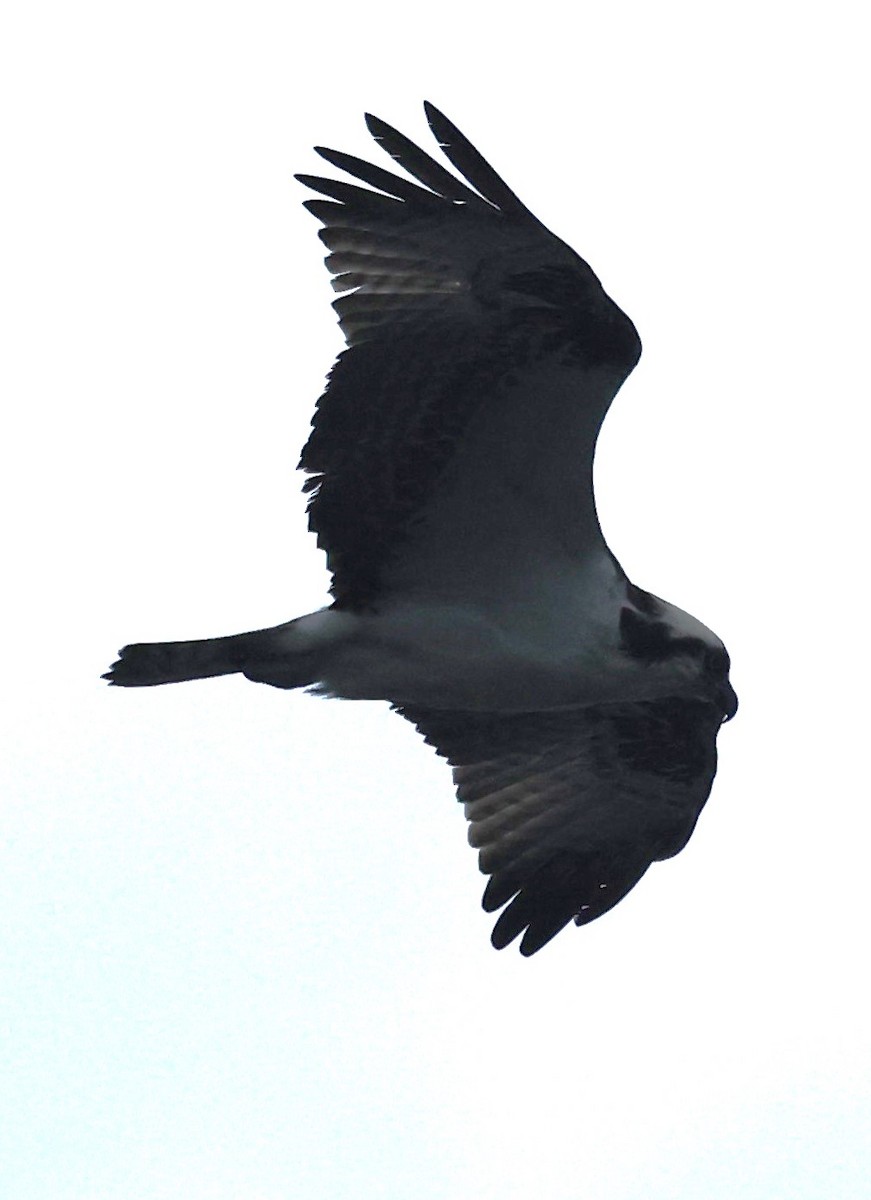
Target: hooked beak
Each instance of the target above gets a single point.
(728, 700)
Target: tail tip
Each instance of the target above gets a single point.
(141, 664)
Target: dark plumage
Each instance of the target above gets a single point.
(450, 480)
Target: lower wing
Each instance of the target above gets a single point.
(568, 808)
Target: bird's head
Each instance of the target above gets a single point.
(657, 634)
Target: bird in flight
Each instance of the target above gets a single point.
(450, 481)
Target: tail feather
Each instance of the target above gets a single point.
(291, 655)
(146, 664)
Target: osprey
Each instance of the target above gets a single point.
(450, 479)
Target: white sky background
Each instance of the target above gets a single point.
(243, 956)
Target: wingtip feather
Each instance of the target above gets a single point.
(375, 125)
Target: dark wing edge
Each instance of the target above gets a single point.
(568, 808)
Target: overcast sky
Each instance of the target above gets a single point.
(243, 955)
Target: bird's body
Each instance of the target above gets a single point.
(451, 469)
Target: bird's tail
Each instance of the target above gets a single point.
(282, 656)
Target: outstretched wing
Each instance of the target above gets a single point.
(568, 808)
(465, 318)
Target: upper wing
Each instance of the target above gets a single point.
(570, 807)
(461, 307)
